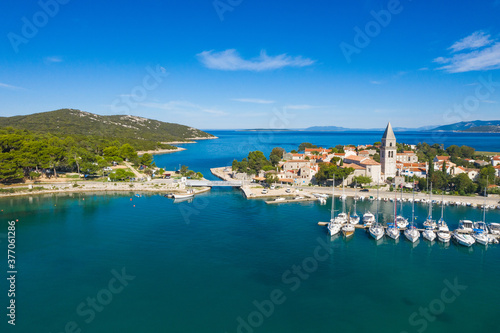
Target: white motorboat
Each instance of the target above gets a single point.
(341, 218)
(466, 225)
(463, 239)
(480, 237)
(429, 234)
(369, 219)
(494, 228)
(183, 196)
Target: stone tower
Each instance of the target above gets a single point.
(388, 152)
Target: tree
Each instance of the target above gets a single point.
(327, 170)
(270, 178)
(184, 170)
(463, 184)
(120, 174)
(276, 155)
(127, 152)
(363, 180)
(305, 145)
(146, 159)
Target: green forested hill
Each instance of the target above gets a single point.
(123, 127)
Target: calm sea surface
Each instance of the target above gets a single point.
(217, 263)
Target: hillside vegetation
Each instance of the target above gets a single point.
(141, 133)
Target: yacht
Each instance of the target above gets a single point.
(348, 230)
(429, 234)
(376, 230)
(430, 223)
(481, 237)
(333, 226)
(369, 218)
(392, 231)
(443, 233)
(463, 239)
(411, 233)
(354, 218)
(401, 222)
(494, 228)
(466, 225)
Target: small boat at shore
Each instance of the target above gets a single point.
(443, 233)
(369, 218)
(333, 226)
(376, 230)
(348, 230)
(189, 194)
(429, 234)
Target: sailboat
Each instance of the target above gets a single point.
(333, 226)
(430, 222)
(376, 230)
(354, 218)
(369, 218)
(443, 234)
(411, 233)
(401, 222)
(480, 230)
(392, 229)
(348, 230)
(342, 217)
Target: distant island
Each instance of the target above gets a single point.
(480, 126)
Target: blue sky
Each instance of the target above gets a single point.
(252, 63)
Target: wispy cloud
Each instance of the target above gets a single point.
(11, 87)
(53, 59)
(375, 82)
(184, 107)
(230, 60)
(253, 100)
(481, 53)
(489, 101)
(302, 107)
(477, 40)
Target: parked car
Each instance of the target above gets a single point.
(365, 190)
(272, 187)
(264, 191)
(288, 190)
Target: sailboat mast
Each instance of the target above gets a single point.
(395, 206)
(343, 196)
(376, 219)
(333, 198)
(442, 207)
(484, 205)
(401, 199)
(413, 206)
(355, 195)
(430, 203)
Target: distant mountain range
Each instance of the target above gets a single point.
(76, 122)
(344, 129)
(492, 126)
(472, 126)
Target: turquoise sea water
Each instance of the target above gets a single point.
(209, 265)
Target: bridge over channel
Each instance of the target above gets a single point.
(204, 183)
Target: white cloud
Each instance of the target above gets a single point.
(301, 107)
(253, 100)
(53, 59)
(8, 86)
(480, 54)
(477, 40)
(375, 82)
(230, 60)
